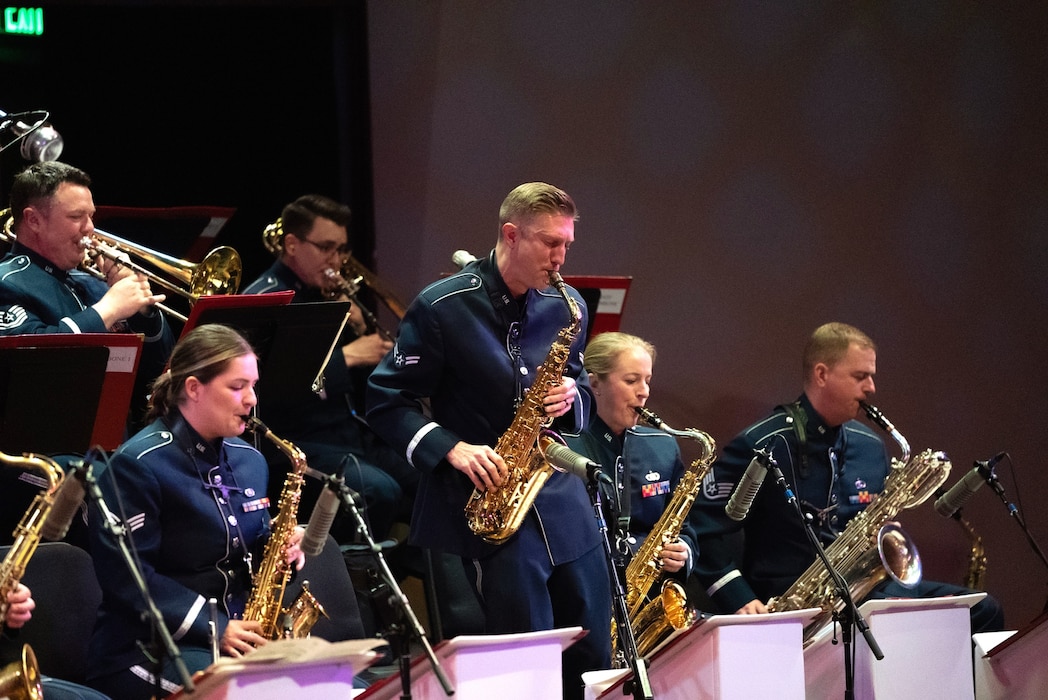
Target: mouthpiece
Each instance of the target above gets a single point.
(255, 424)
(877, 417)
(649, 417)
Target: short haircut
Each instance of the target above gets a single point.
(830, 342)
(536, 198)
(297, 217)
(39, 182)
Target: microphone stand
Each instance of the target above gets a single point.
(398, 632)
(162, 643)
(640, 685)
(991, 479)
(848, 617)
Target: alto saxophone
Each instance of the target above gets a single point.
(267, 588)
(871, 547)
(654, 620)
(22, 678)
(497, 514)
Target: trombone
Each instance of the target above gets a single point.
(218, 273)
(346, 280)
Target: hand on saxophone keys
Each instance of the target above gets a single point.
(484, 467)
(295, 556)
(241, 637)
(560, 398)
(18, 608)
(673, 556)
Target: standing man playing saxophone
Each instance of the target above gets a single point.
(469, 345)
(835, 465)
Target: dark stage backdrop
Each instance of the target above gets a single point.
(757, 168)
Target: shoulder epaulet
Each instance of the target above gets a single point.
(450, 286)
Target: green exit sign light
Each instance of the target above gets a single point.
(24, 20)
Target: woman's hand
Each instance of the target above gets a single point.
(294, 552)
(241, 637)
(20, 606)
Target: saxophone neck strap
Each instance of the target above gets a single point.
(799, 419)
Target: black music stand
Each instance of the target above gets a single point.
(49, 399)
(32, 381)
(292, 341)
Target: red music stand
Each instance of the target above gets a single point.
(92, 373)
(607, 294)
(185, 232)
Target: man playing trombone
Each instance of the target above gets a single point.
(311, 243)
(42, 289)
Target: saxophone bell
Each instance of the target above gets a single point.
(265, 604)
(20, 680)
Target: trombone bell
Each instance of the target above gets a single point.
(218, 273)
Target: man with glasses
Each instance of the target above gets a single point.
(330, 429)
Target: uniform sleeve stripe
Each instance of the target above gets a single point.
(423, 431)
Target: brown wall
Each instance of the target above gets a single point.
(758, 169)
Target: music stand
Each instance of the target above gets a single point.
(92, 373)
(292, 341)
(605, 297)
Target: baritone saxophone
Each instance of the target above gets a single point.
(872, 547)
(497, 514)
(267, 588)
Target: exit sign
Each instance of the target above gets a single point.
(24, 20)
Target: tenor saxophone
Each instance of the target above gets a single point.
(871, 547)
(22, 679)
(497, 514)
(265, 604)
(652, 621)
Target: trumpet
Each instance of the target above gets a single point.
(218, 273)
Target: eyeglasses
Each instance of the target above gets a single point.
(329, 247)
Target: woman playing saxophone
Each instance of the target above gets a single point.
(649, 472)
(192, 495)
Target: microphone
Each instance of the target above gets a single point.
(564, 459)
(960, 493)
(40, 140)
(742, 498)
(461, 258)
(66, 502)
(324, 512)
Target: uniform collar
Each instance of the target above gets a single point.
(41, 262)
(289, 280)
(191, 441)
(816, 426)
